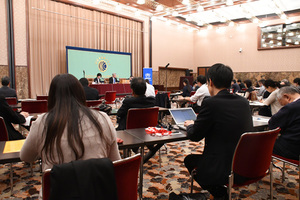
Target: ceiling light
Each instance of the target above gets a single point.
(270, 35)
(185, 2)
(283, 16)
(255, 20)
(200, 8)
(297, 42)
(118, 7)
(231, 23)
(141, 2)
(263, 39)
(271, 42)
(289, 40)
(287, 45)
(264, 45)
(279, 38)
(175, 13)
(159, 8)
(291, 34)
(279, 43)
(200, 23)
(209, 26)
(229, 3)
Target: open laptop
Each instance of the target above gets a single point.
(180, 115)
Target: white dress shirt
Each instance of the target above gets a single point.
(200, 94)
(150, 91)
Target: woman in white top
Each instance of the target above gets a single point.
(70, 130)
(272, 87)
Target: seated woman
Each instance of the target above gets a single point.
(10, 117)
(70, 130)
(249, 94)
(272, 87)
(187, 88)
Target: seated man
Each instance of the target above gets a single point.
(296, 83)
(150, 90)
(288, 119)
(90, 93)
(5, 90)
(222, 119)
(10, 117)
(113, 79)
(235, 87)
(139, 100)
(98, 79)
(201, 92)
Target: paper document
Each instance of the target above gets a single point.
(13, 146)
(28, 120)
(262, 119)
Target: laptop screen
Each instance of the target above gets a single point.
(182, 114)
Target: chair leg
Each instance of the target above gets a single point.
(11, 180)
(283, 171)
(230, 184)
(193, 173)
(271, 180)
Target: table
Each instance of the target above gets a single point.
(119, 88)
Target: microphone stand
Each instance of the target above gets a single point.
(167, 76)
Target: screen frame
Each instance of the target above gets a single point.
(97, 50)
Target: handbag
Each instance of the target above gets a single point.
(105, 108)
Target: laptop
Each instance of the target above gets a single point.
(180, 115)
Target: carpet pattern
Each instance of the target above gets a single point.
(159, 182)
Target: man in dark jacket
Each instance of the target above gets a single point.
(222, 119)
(10, 117)
(288, 119)
(90, 93)
(5, 90)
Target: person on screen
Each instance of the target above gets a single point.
(98, 79)
(214, 123)
(90, 93)
(288, 119)
(113, 79)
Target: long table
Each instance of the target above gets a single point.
(118, 87)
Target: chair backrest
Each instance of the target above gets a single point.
(3, 130)
(110, 96)
(11, 100)
(37, 106)
(142, 117)
(46, 184)
(42, 97)
(156, 91)
(126, 173)
(253, 154)
(192, 93)
(91, 103)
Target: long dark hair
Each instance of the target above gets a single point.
(187, 82)
(66, 107)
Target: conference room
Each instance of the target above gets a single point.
(164, 41)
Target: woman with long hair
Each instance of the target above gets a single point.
(272, 87)
(187, 88)
(70, 130)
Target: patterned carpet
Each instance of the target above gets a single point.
(159, 182)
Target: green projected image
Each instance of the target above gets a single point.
(89, 62)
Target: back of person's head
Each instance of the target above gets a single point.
(248, 83)
(287, 90)
(147, 81)
(221, 75)
(201, 79)
(84, 82)
(285, 82)
(186, 81)
(239, 81)
(138, 86)
(5, 80)
(99, 74)
(297, 81)
(271, 83)
(66, 106)
(262, 81)
(234, 81)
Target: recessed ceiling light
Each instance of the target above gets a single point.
(279, 43)
(141, 2)
(297, 42)
(279, 38)
(289, 40)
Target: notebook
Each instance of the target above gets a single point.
(180, 115)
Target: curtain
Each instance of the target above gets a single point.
(51, 29)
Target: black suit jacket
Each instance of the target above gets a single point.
(222, 119)
(132, 102)
(98, 80)
(10, 117)
(111, 80)
(288, 119)
(8, 92)
(91, 93)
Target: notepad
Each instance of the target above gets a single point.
(13, 146)
(28, 120)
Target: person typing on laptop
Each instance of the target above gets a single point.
(222, 119)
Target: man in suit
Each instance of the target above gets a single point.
(222, 119)
(235, 87)
(5, 90)
(288, 119)
(98, 79)
(90, 93)
(113, 79)
(296, 83)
